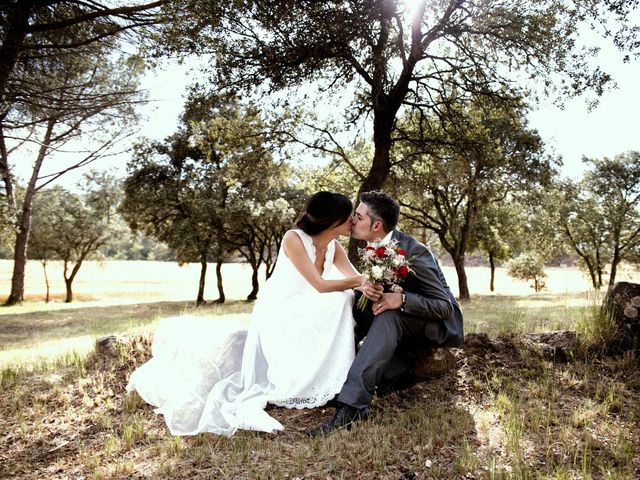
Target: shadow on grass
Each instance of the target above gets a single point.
(500, 415)
(115, 438)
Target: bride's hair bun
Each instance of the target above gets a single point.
(324, 210)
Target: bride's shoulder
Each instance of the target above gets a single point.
(293, 232)
(294, 235)
(337, 246)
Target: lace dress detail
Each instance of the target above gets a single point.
(216, 375)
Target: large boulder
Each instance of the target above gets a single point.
(433, 363)
(623, 302)
(559, 346)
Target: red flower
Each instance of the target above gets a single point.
(400, 251)
(369, 247)
(380, 252)
(403, 271)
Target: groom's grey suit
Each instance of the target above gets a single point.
(431, 317)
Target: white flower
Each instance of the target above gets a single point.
(377, 272)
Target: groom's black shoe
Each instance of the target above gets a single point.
(345, 417)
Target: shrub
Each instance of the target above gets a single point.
(528, 266)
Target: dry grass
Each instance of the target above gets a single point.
(29, 339)
(118, 282)
(502, 414)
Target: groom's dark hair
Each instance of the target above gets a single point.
(323, 211)
(382, 207)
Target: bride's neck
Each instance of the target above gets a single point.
(322, 239)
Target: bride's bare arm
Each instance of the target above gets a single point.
(342, 262)
(294, 249)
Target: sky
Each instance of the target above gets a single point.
(609, 129)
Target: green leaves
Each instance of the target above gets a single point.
(69, 226)
(213, 188)
(528, 266)
(600, 215)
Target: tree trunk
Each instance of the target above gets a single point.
(5, 171)
(221, 295)
(24, 224)
(458, 261)
(492, 265)
(255, 262)
(592, 275)
(599, 270)
(383, 118)
(373, 181)
(46, 280)
(614, 267)
(67, 283)
(201, 283)
(254, 284)
(19, 262)
(590, 268)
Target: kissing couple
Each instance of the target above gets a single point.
(217, 374)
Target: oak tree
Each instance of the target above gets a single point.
(72, 228)
(393, 56)
(451, 169)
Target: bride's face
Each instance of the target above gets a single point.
(344, 228)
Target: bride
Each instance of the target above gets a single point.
(215, 375)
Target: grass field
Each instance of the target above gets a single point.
(500, 414)
(117, 282)
(118, 297)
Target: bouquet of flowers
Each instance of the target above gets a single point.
(383, 264)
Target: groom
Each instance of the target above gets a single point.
(424, 315)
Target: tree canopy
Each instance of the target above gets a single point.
(395, 55)
(72, 227)
(451, 171)
(62, 78)
(213, 188)
(599, 215)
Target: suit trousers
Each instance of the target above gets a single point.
(383, 355)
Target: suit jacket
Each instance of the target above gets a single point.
(427, 294)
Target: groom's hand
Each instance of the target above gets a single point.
(388, 301)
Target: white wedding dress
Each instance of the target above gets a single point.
(213, 374)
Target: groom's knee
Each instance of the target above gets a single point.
(389, 322)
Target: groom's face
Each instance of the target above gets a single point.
(364, 226)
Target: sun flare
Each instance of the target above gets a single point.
(414, 5)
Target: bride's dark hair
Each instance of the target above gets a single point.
(323, 211)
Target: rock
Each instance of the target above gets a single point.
(107, 346)
(560, 346)
(623, 302)
(478, 341)
(431, 364)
